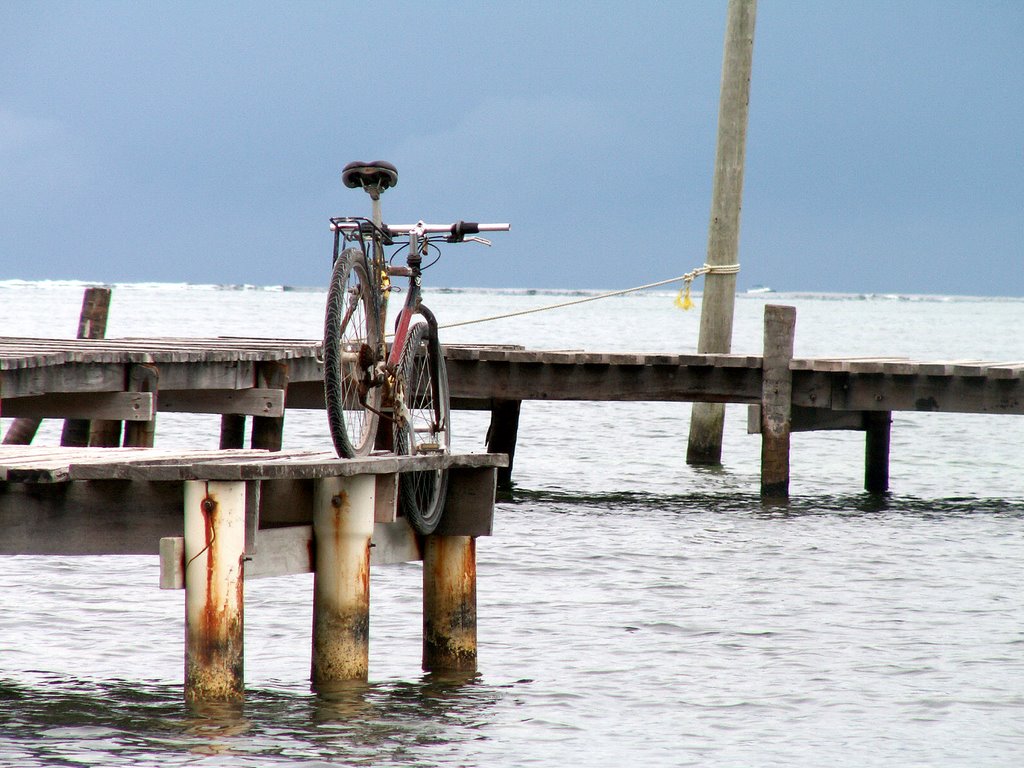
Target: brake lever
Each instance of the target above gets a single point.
(476, 239)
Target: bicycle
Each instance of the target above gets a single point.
(366, 381)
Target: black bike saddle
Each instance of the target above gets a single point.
(379, 174)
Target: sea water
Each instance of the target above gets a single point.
(633, 610)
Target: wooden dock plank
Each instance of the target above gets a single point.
(51, 465)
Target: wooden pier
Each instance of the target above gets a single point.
(130, 380)
(220, 516)
(217, 518)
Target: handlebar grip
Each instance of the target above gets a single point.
(462, 228)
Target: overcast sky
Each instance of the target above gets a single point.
(203, 142)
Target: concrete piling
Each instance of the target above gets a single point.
(214, 569)
(343, 518)
(449, 604)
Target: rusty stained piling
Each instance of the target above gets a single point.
(449, 604)
(776, 401)
(214, 569)
(343, 517)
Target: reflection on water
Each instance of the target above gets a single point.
(67, 720)
(700, 502)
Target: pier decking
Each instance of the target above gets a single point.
(131, 380)
(76, 378)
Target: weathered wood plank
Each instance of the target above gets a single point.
(90, 518)
(255, 401)
(569, 381)
(974, 394)
(36, 464)
(124, 406)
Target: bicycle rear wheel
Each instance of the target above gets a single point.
(421, 426)
(351, 346)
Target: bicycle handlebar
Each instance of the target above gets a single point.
(459, 227)
(456, 231)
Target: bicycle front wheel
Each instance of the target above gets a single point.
(421, 426)
(352, 344)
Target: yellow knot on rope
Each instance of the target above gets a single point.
(683, 300)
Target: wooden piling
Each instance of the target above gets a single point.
(343, 518)
(92, 324)
(232, 431)
(214, 569)
(268, 431)
(22, 431)
(719, 295)
(141, 378)
(776, 401)
(501, 436)
(877, 429)
(449, 604)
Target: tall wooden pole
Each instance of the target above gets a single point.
(719, 295)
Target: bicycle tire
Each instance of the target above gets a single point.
(423, 428)
(351, 346)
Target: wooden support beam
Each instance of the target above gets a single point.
(75, 406)
(501, 436)
(343, 513)
(878, 425)
(96, 517)
(449, 604)
(214, 555)
(469, 502)
(719, 295)
(255, 401)
(776, 401)
(804, 419)
(290, 550)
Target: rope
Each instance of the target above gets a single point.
(682, 301)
